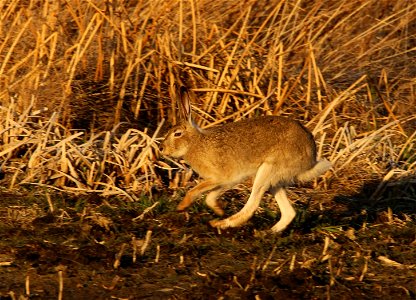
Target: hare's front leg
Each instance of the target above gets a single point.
(195, 192)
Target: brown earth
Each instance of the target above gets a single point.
(85, 250)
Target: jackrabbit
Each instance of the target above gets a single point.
(276, 151)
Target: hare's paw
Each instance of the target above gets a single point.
(212, 201)
(218, 211)
(282, 224)
(279, 227)
(184, 204)
(221, 224)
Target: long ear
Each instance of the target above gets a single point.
(185, 109)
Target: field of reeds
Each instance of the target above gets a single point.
(87, 90)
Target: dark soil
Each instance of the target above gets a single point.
(84, 249)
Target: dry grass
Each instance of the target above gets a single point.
(75, 75)
(87, 90)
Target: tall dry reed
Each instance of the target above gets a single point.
(84, 85)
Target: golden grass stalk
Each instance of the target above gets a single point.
(58, 158)
(106, 75)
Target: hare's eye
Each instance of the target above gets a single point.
(177, 133)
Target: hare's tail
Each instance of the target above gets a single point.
(319, 168)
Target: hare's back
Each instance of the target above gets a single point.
(267, 130)
(270, 137)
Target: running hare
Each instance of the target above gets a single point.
(276, 151)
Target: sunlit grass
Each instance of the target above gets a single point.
(85, 86)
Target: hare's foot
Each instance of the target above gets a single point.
(211, 201)
(287, 211)
(195, 193)
(219, 224)
(288, 214)
(185, 203)
(217, 210)
(281, 225)
(233, 221)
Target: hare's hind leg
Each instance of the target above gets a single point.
(286, 209)
(195, 192)
(260, 185)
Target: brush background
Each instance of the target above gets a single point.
(87, 206)
(73, 72)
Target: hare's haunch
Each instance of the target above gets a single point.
(276, 151)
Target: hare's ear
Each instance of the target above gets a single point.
(185, 105)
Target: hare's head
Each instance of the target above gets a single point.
(180, 137)
(178, 140)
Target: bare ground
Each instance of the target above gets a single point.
(91, 248)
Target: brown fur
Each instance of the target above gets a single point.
(276, 151)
